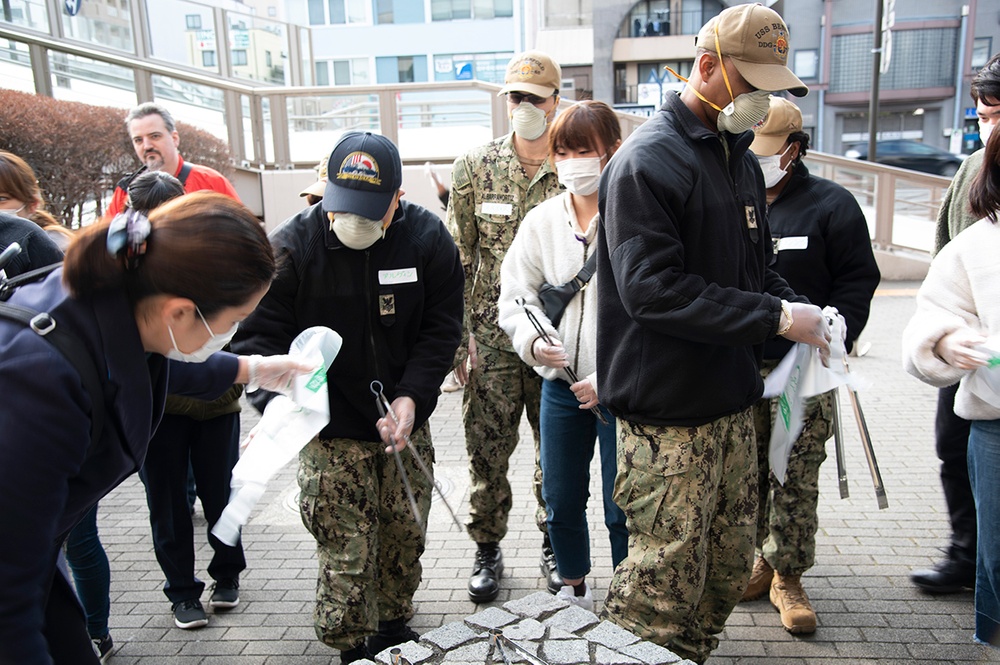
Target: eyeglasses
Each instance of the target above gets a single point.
(518, 97)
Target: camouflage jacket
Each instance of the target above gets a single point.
(490, 195)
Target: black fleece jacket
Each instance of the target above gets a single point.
(686, 298)
(824, 251)
(397, 305)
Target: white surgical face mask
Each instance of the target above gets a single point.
(214, 344)
(580, 175)
(746, 111)
(528, 121)
(985, 131)
(771, 167)
(355, 231)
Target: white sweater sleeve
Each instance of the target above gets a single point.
(944, 305)
(521, 277)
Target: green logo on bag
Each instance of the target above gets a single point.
(785, 409)
(317, 380)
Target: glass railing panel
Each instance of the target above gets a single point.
(15, 66)
(199, 105)
(183, 33)
(316, 122)
(258, 49)
(439, 124)
(26, 13)
(106, 24)
(79, 79)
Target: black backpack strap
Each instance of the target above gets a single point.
(8, 285)
(185, 172)
(72, 348)
(587, 271)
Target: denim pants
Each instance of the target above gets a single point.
(91, 573)
(984, 472)
(567, 447)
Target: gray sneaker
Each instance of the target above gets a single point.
(225, 594)
(190, 614)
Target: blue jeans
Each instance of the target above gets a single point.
(568, 434)
(91, 572)
(984, 473)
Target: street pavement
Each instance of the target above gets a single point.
(868, 610)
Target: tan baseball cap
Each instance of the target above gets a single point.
(533, 72)
(318, 187)
(756, 39)
(783, 118)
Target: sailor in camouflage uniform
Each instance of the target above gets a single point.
(493, 187)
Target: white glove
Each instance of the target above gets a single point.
(549, 355)
(274, 373)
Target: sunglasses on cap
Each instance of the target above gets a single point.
(518, 97)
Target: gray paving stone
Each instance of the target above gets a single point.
(529, 629)
(492, 617)
(470, 653)
(414, 653)
(449, 635)
(535, 605)
(611, 635)
(605, 656)
(572, 619)
(651, 654)
(567, 652)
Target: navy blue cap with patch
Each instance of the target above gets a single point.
(363, 174)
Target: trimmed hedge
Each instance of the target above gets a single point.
(79, 151)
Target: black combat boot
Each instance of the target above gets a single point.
(484, 585)
(354, 654)
(547, 564)
(391, 633)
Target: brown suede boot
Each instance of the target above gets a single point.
(788, 596)
(760, 580)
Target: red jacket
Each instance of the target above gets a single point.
(200, 178)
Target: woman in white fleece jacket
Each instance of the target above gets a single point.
(554, 241)
(958, 308)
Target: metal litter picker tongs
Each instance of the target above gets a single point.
(548, 340)
(385, 409)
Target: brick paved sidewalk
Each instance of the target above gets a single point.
(868, 610)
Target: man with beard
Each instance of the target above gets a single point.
(155, 140)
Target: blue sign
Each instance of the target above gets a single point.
(463, 71)
(970, 113)
(72, 7)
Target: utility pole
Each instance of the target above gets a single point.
(876, 72)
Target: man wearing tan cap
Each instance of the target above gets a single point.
(685, 303)
(314, 192)
(492, 188)
(824, 253)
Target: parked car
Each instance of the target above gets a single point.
(910, 155)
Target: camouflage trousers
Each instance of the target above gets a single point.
(787, 515)
(499, 389)
(690, 497)
(353, 502)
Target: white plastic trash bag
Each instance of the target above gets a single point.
(984, 383)
(799, 376)
(287, 425)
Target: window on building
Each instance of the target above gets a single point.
(351, 71)
(923, 58)
(451, 10)
(336, 12)
(267, 58)
(489, 67)
(805, 63)
(402, 69)
(193, 21)
(982, 49)
(239, 57)
(272, 12)
(399, 11)
(208, 59)
(568, 13)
